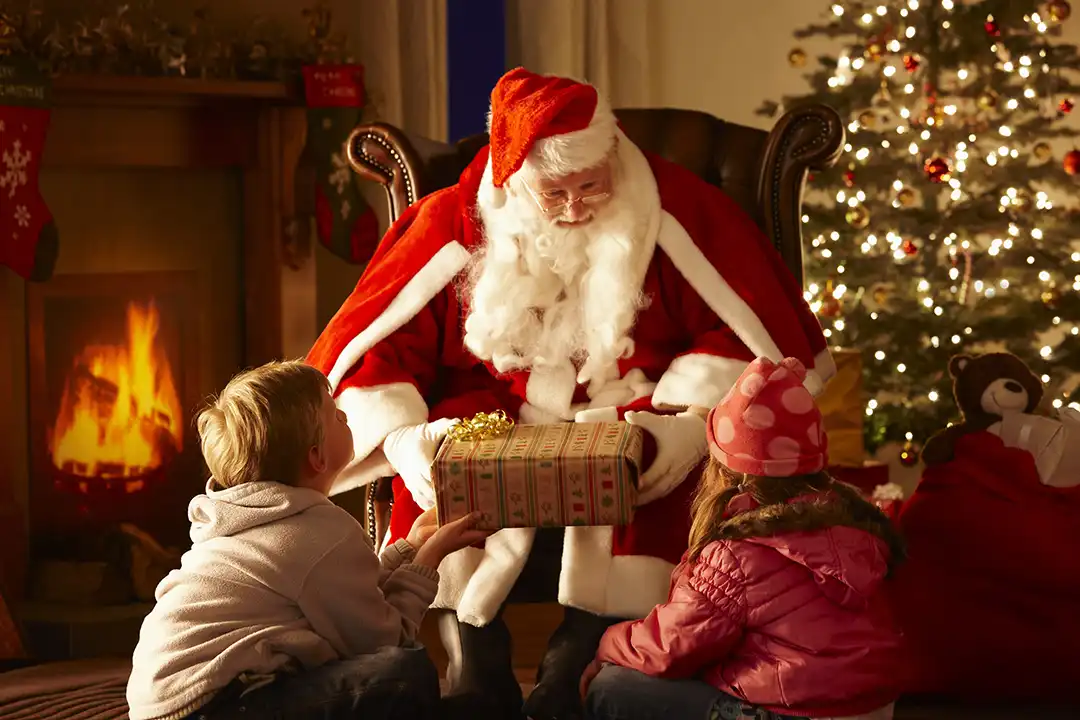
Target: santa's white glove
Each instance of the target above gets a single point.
(680, 446)
(411, 451)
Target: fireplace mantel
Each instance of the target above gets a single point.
(108, 127)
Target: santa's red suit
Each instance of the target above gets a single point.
(718, 295)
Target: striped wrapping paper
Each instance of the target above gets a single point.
(554, 475)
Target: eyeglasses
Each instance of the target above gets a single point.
(555, 206)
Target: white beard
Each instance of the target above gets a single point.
(541, 295)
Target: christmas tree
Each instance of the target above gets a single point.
(940, 230)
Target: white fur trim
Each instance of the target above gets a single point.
(439, 272)
(714, 290)
(477, 582)
(373, 413)
(623, 587)
(363, 472)
(696, 379)
(823, 371)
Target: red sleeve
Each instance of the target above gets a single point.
(410, 354)
(697, 627)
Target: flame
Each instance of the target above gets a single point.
(119, 416)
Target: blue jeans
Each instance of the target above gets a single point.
(619, 693)
(391, 684)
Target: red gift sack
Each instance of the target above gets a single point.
(990, 596)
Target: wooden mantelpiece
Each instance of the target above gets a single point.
(256, 127)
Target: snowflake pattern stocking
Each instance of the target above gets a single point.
(28, 236)
(345, 223)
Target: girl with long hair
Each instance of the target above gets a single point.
(777, 610)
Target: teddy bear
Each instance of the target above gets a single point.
(987, 388)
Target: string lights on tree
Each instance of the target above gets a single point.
(938, 232)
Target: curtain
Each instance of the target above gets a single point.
(609, 43)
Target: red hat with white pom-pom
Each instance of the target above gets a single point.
(768, 423)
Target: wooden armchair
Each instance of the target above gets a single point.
(764, 172)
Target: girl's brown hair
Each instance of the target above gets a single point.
(832, 503)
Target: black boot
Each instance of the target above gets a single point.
(485, 686)
(570, 650)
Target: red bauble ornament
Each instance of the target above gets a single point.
(909, 455)
(992, 28)
(1072, 162)
(911, 63)
(1066, 106)
(1059, 10)
(937, 169)
(830, 306)
(910, 248)
(849, 178)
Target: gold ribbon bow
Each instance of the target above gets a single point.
(482, 426)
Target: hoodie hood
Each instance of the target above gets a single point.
(221, 513)
(848, 564)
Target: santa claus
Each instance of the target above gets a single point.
(568, 276)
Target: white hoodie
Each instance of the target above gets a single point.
(277, 578)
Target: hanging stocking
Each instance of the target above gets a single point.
(345, 223)
(28, 238)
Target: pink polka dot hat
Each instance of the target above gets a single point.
(768, 423)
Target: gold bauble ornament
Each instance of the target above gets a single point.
(857, 217)
(988, 99)
(1059, 10)
(1042, 152)
(797, 57)
(874, 49)
(1050, 297)
(868, 119)
(906, 197)
(1022, 201)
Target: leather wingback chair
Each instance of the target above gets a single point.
(764, 171)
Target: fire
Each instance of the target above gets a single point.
(119, 416)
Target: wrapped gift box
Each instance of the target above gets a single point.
(554, 475)
(843, 409)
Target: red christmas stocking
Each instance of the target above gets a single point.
(29, 241)
(345, 223)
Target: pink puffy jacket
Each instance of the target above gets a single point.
(794, 623)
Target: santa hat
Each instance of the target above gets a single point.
(768, 423)
(561, 124)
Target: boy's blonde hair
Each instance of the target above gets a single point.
(263, 424)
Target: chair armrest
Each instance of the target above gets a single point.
(804, 139)
(382, 153)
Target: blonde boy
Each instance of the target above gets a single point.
(281, 607)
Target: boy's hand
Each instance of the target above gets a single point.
(451, 537)
(422, 530)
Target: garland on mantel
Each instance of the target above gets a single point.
(135, 39)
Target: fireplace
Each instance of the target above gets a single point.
(175, 201)
(112, 379)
